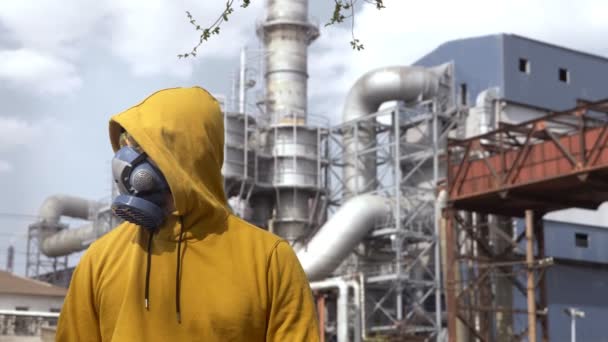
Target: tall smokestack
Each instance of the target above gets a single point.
(286, 33)
(10, 259)
(292, 168)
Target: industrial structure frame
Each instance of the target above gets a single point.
(510, 172)
(404, 289)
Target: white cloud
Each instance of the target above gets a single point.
(406, 30)
(5, 166)
(49, 38)
(51, 26)
(149, 35)
(53, 39)
(15, 132)
(35, 70)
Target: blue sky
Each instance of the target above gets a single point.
(64, 70)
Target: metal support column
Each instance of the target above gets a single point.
(531, 289)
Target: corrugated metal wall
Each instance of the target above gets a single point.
(580, 287)
(478, 63)
(490, 61)
(542, 87)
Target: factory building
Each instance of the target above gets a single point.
(27, 305)
(526, 72)
(362, 202)
(577, 279)
(531, 78)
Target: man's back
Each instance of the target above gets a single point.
(233, 284)
(204, 274)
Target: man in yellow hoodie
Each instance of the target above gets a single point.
(188, 270)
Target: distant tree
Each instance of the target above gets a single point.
(343, 10)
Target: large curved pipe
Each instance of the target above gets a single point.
(68, 241)
(63, 205)
(64, 242)
(404, 83)
(344, 230)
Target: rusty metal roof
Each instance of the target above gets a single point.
(14, 284)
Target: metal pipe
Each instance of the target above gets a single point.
(531, 283)
(365, 96)
(10, 259)
(363, 314)
(64, 242)
(486, 101)
(397, 217)
(358, 323)
(438, 206)
(63, 205)
(321, 313)
(342, 304)
(344, 230)
(242, 84)
(68, 241)
(573, 313)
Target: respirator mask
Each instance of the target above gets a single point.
(143, 189)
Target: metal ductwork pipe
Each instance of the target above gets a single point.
(344, 230)
(343, 285)
(486, 102)
(404, 83)
(54, 243)
(63, 205)
(68, 241)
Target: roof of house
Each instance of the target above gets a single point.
(13, 284)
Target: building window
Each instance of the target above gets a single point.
(55, 310)
(581, 240)
(564, 75)
(464, 94)
(524, 65)
(22, 308)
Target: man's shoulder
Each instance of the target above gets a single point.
(114, 240)
(252, 234)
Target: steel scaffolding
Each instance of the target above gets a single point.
(512, 172)
(398, 259)
(38, 264)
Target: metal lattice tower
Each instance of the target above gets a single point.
(398, 259)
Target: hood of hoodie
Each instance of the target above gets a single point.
(182, 131)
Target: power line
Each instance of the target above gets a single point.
(17, 215)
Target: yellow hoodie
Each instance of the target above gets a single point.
(236, 283)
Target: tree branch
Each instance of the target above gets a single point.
(338, 17)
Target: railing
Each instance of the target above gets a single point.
(26, 323)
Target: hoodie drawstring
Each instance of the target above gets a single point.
(177, 274)
(148, 265)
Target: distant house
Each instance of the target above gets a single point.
(34, 298)
(24, 294)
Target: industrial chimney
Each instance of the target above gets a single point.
(291, 156)
(286, 33)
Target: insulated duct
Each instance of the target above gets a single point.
(68, 241)
(62, 205)
(338, 236)
(404, 83)
(55, 241)
(486, 102)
